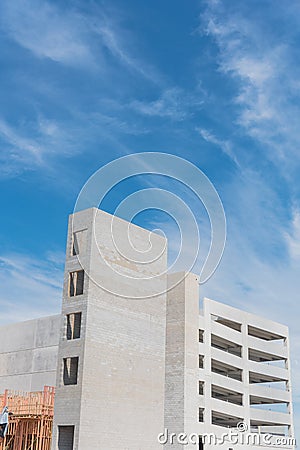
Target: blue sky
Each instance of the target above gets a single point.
(84, 82)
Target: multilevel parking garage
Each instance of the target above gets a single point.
(227, 323)
(225, 420)
(254, 400)
(257, 426)
(247, 359)
(264, 334)
(226, 370)
(275, 418)
(226, 395)
(255, 378)
(264, 357)
(225, 345)
(269, 404)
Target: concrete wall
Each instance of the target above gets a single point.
(118, 401)
(28, 354)
(181, 395)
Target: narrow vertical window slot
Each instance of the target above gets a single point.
(70, 370)
(73, 326)
(76, 283)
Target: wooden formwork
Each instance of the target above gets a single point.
(30, 420)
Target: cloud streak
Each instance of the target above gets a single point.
(112, 40)
(40, 27)
(293, 237)
(265, 72)
(20, 143)
(224, 145)
(72, 37)
(30, 287)
(31, 146)
(173, 103)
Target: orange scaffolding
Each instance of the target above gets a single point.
(30, 419)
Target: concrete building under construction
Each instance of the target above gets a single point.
(134, 359)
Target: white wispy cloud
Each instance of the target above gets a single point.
(293, 236)
(42, 28)
(31, 145)
(19, 143)
(71, 37)
(173, 103)
(266, 78)
(224, 145)
(30, 287)
(117, 124)
(117, 43)
(92, 38)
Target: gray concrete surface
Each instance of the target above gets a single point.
(28, 354)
